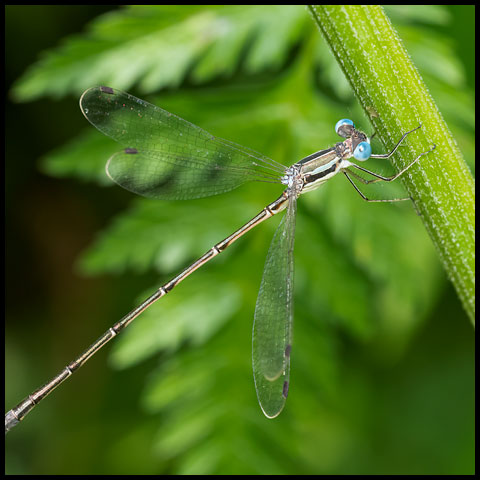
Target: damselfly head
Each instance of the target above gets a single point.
(360, 142)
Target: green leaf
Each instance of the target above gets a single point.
(167, 325)
(137, 45)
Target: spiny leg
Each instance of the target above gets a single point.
(388, 155)
(391, 200)
(380, 178)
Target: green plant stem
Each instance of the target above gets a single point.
(395, 99)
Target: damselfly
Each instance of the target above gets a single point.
(166, 157)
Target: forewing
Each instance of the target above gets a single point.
(166, 156)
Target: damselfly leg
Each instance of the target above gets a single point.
(381, 178)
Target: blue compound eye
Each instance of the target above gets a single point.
(362, 152)
(344, 127)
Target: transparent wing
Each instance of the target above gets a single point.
(167, 157)
(272, 327)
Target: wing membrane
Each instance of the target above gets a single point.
(161, 147)
(272, 327)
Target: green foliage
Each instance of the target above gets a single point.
(156, 47)
(367, 276)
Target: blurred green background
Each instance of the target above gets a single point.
(382, 378)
